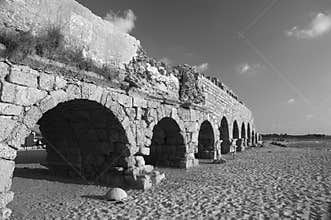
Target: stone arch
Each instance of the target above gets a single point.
(243, 130)
(248, 134)
(84, 135)
(224, 135)
(168, 144)
(235, 130)
(206, 140)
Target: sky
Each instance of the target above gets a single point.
(274, 54)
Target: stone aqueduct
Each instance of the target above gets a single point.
(118, 134)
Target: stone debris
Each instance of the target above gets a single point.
(116, 194)
(155, 77)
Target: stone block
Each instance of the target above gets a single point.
(52, 100)
(131, 113)
(7, 124)
(148, 168)
(7, 152)
(5, 198)
(4, 69)
(139, 102)
(6, 173)
(24, 75)
(153, 104)
(32, 116)
(156, 179)
(21, 95)
(17, 137)
(87, 90)
(60, 82)
(73, 92)
(124, 100)
(144, 151)
(140, 161)
(116, 108)
(10, 109)
(97, 94)
(144, 182)
(46, 81)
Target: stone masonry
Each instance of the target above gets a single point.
(109, 134)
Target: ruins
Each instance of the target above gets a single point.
(113, 128)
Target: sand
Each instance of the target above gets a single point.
(261, 183)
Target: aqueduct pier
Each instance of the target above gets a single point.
(111, 134)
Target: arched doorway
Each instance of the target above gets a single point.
(224, 136)
(248, 134)
(205, 141)
(84, 138)
(167, 148)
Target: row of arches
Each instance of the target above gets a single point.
(206, 138)
(90, 137)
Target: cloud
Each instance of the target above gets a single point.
(124, 23)
(248, 69)
(291, 101)
(309, 116)
(166, 60)
(202, 67)
(321, 24)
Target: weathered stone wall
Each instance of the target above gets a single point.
(99, 39)
(222, 104)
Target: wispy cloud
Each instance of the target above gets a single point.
(309, 116)
(202, 67)
(321, 24)
(248, 69)
(125, 22)
(291, 101)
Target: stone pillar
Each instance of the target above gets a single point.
(7, 165)
(225, 146)
(240, 144)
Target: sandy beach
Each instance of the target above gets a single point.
(260, 183)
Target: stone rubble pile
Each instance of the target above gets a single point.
(155, 77)
(151, 76)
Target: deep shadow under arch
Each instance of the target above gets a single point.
(83, 135)
(206, 141)
(235, 130)
(167, 147)
(248, 134)
(243, 130)
(224, 136)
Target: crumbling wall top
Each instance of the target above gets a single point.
(100, 39)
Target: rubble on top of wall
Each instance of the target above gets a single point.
(155, 77)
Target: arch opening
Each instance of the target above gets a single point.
(206, 141)
(224, 136)
(167, 147)
(235, 130)
(243, 130)
(253, 138)
(248, 134)
(84, 136)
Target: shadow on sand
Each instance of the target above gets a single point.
(45, 174)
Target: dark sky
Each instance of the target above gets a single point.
(281, 69)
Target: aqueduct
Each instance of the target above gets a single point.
(113, 134)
